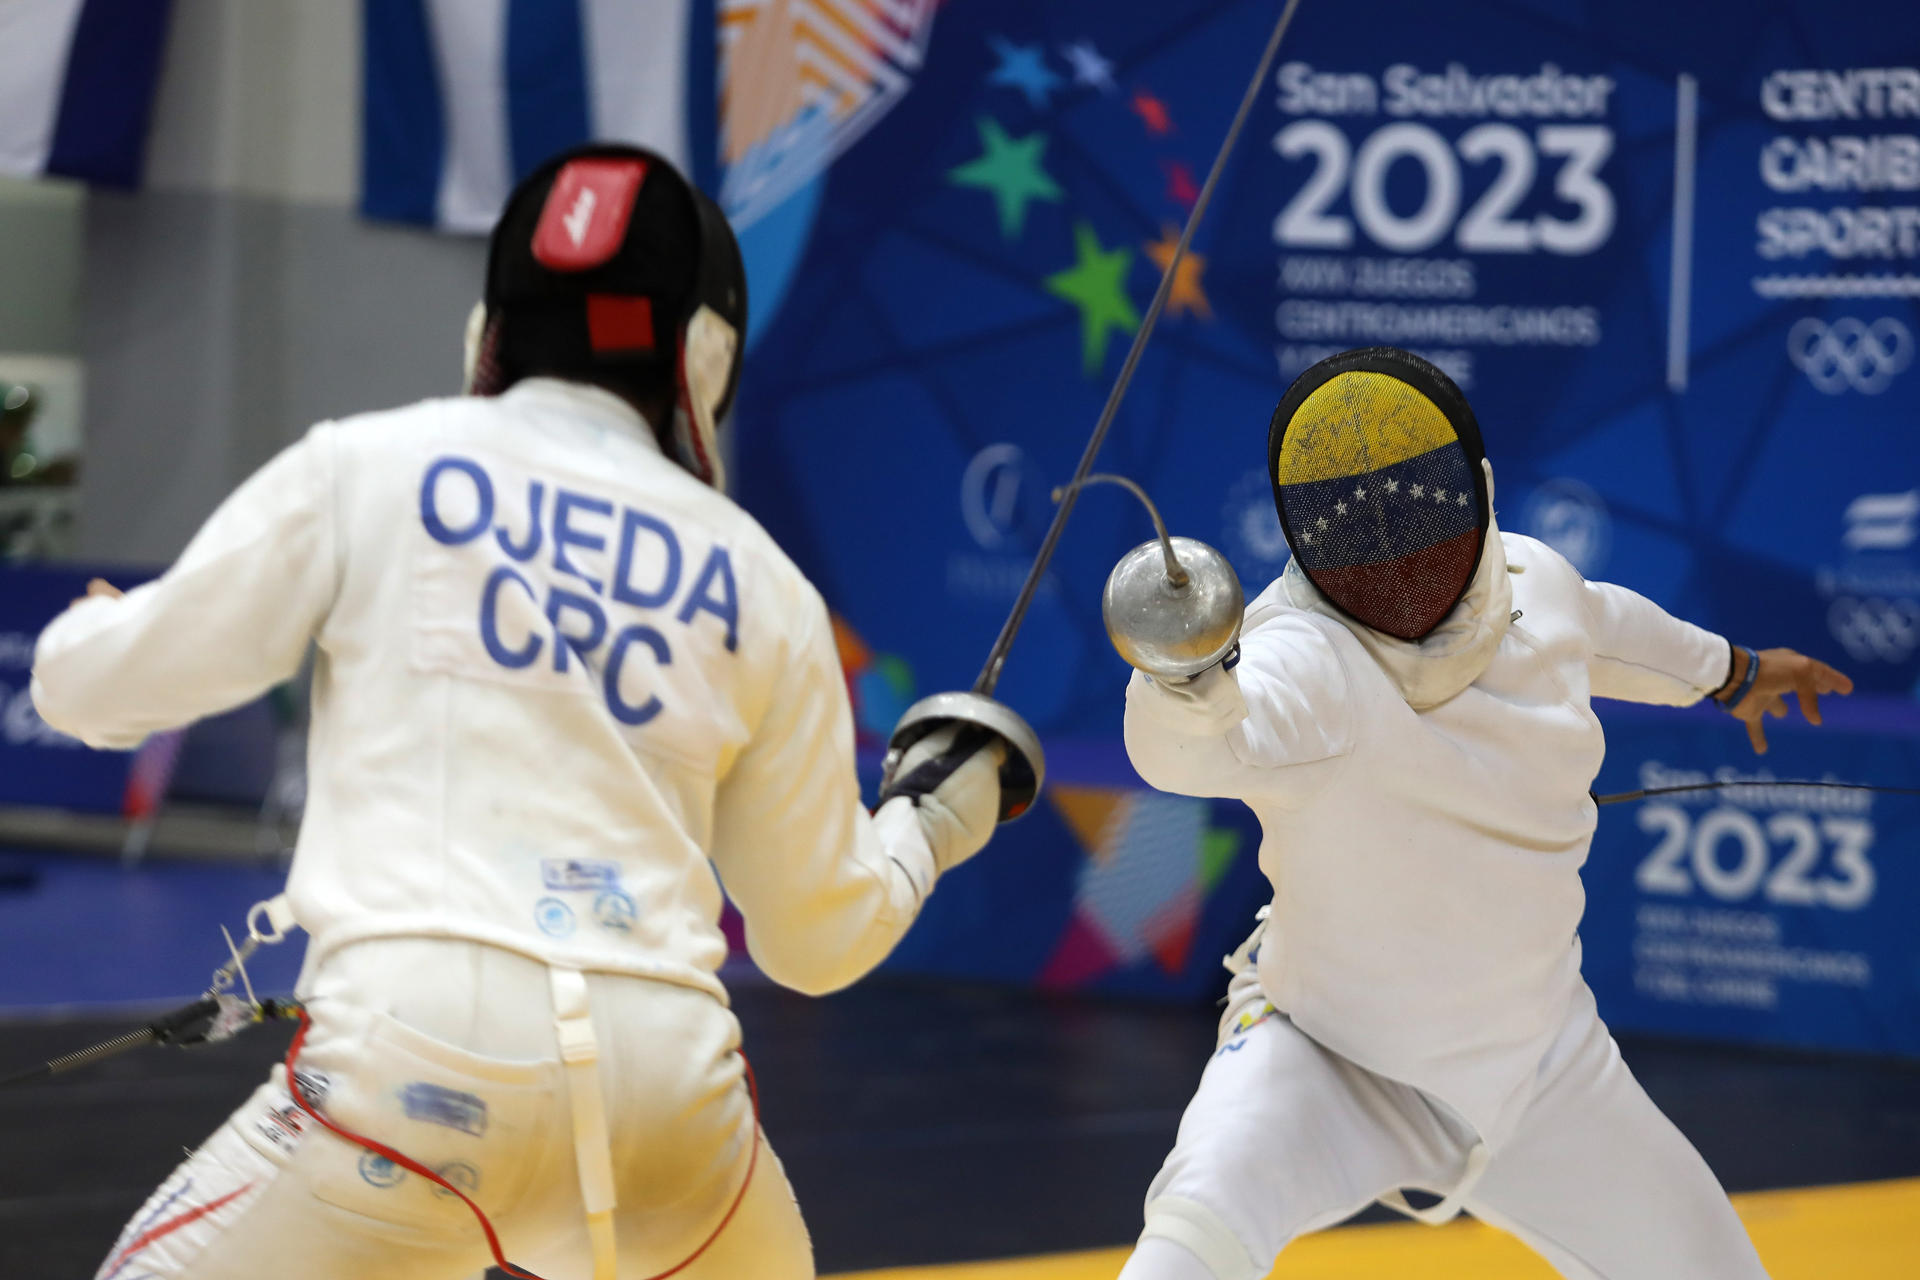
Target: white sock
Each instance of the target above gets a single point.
(1158, 1258)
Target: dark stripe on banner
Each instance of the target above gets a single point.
(1382, 515)
(106, 103)
(702, 89)
(546, 75)
(403, 118)
(1406, 597)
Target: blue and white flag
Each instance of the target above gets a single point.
(463, 97)
(76, 86)
(753, 98)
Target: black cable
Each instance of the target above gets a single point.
(1620, 797)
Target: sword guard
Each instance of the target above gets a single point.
(1021, 773)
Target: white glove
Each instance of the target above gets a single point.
(952, 778)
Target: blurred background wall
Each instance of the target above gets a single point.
(239, 297)
(1668, 252)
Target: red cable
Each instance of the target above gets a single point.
(493, 1241)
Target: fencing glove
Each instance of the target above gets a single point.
(952, 778)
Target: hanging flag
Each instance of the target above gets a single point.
(464, 97)
(76, 86)
(754, 98)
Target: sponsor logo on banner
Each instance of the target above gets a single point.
(1873, 594)
(1850, 354)
(1572, 519)
(1728, 875)
(1840, 250)
(990, 493)
(1875, 629)
(1250, 531)
(20, 723)
(1359, 265)
(1881, 521)
(801, 81)
(998, 493)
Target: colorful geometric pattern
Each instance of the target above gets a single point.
(1152, 862)
(880, 685)
(801, 80)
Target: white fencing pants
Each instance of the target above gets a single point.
(1285, 1137)
(446, 1051)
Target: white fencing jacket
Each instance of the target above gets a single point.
(1425, 865)
(559, 682)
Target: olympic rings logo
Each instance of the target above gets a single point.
(1874, 629)
(1850, 353)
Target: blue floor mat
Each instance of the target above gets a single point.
(79, 930)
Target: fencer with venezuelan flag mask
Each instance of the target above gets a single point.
(1410, 719)
(562, 680)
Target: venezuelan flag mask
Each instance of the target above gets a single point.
(1376, 466)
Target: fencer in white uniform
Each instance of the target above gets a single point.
(1410, 1015)
(562, 680)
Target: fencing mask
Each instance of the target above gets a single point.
(1376, 466)
(608, 266)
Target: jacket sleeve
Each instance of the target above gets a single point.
(1236, 734)
(231, 618)
(825, 888)
(1642, 653)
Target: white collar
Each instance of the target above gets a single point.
(1431, 670)
(584, 400)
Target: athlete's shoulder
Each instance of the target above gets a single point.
(1273, 613)
(402, 430)
(1528, 555)
(751, 537)
(1302, 642)
(415, 417)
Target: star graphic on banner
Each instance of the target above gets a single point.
(1152, 112)
(1463, 500)
(1011, 169)
(1096, 284)
(1022, 67)
(1186, 294)
(1393, 486)
(1419, 490)
(1180, 184)
(1089, 68)
(1439, 495)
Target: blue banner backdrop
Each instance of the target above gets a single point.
(40, 766)
(1669, 252)
(1766, 913)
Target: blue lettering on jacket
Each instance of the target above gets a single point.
(561, 602)
(512, 659)
(718, 570)
(531, 547)
(565, 503)
(623, 711)
(624, 590)
(430, 501)
(521, 616)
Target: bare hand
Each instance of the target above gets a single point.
(100, 587)
(1782, 671)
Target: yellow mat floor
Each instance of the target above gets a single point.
(1866, 1231)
